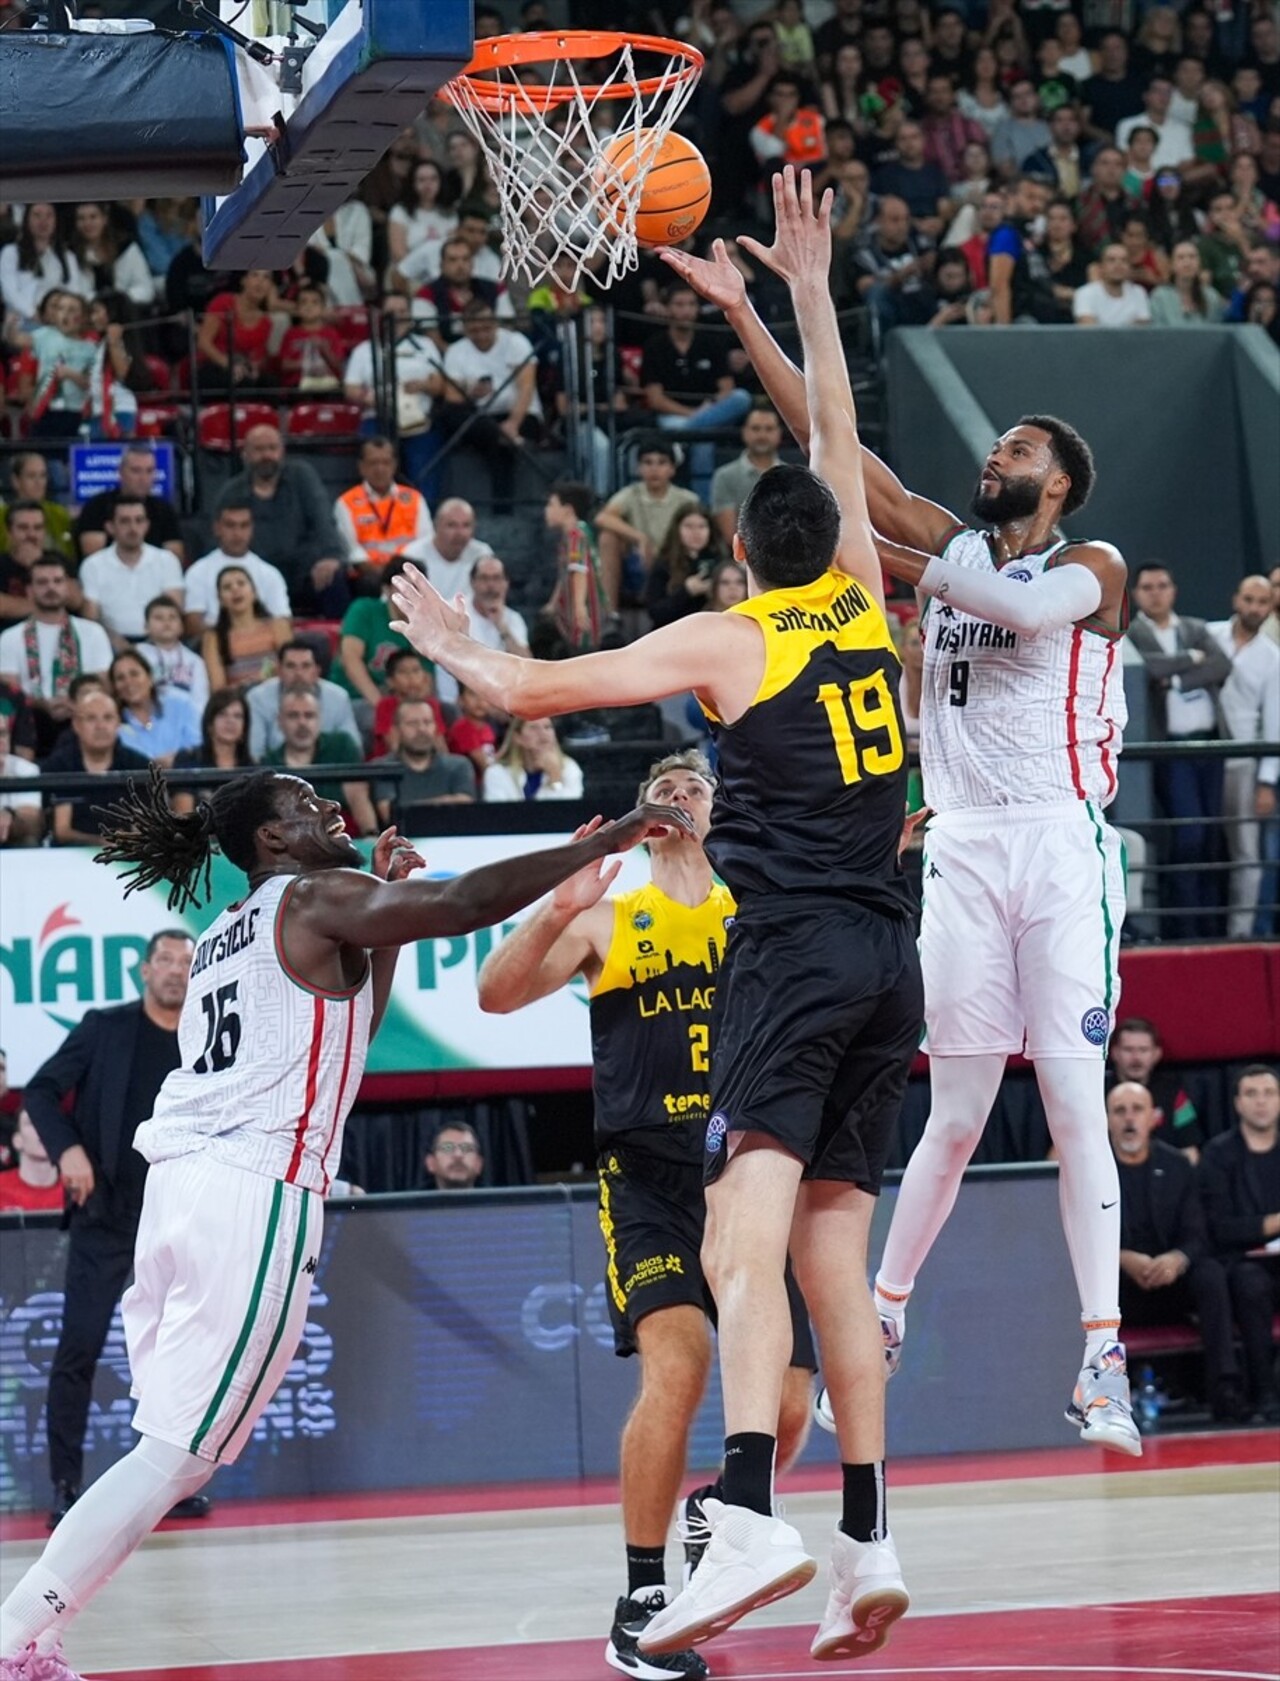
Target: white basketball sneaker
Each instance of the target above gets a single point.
(1101, 1406)
(750, 1561)
(867, 1597)
(31, 1666)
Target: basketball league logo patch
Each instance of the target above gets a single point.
(640, 921)
(1095, 1025)
(717, 1126)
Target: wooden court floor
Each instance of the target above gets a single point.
(1050, 1564)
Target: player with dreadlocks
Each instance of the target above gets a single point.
(287, 987)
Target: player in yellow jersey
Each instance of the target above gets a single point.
(651, 959)
(819, 1004)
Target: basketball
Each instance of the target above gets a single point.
(674, 194)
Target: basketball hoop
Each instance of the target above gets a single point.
(543, 130)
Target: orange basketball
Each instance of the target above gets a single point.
(676, 189)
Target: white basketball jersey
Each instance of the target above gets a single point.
(270, 1067)
(1017, 720)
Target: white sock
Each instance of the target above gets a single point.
(891, 1300)
(963, 1090)
(1073, 1092)
(104, 1526)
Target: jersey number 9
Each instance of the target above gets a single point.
(867, 710)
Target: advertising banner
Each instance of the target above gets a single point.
(96, 467)
(70, 942)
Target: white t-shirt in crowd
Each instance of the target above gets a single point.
(1130, 309)
(416, 358)
(1250, 697)
(464, 364)
(1192, 713)
(1174, 143)
(92, 641)
(503, 785)
(450, 577)
(423, 225)
(122, 590)
(423, 262)
(268, 580)
(12, 765)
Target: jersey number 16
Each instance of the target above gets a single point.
(865, 709)
(222, 1030)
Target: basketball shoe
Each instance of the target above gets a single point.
(1100, 1406)
(867, 1597)
(750, 1561)
(893, 1331)
(693, 1529)
(630, 1620)
(30, 1666)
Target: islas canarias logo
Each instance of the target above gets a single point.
(71, 966)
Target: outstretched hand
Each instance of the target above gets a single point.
(394, 857)
(591, 883)
(426, 618)
(714, 278)
(645, 822)
(801, 248)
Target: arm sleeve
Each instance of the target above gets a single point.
(1054, 600)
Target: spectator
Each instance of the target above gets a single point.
(1240, 1184)
(947, 131)
(982, 100)
(432, 776)
(579, 606)
(312, 353)
(1225, 245)
(1139, 170)
(1185, 301)
(1076, 60)
(1189, 77)
(366, 642)
(243, 645)
(419, 217)
(1136, 1054)
(112, 410)
(494, 622)
(414, 377)
(687, 382)
(156, 728)
(224, 744)
(43, 654)
(728, 586)
(237, 333)
(990, 214)
(1063, 163)
(1055, 86)
(790, 131)
(109, 263)
(953, 291)
(1157, 44)
(137, 478)
(1104, 204)
(176, 669)
(795, 42)
(743, 100)
(892, 269)
(761, 439)
(1058, 269)
(1185, 671)
(950, 44)
(913, 73)
(1220, 131)
(680, 580)
(92, 747)
(57, 400)
(919, 184)
(378, 517)
(843, 86)
(298, 668)
(1022, 133)
(1264, 51)
(233, 534)
(1174, 144)
(28, 542)
(163, 230)
(472, 734)
(120, 580)
(449, 552)
(114, 1061)
(1113, 300)
(305, 746)
(1250, 702)
(1261, 268)
(407, 679)
(1259, 217)
(634, 522)
(453, 1159)
(345, 242)
(29, 477)
(1112, 93)
(440, 304)
(1015, 289)
(34, 1186)
(21, 820)
(532, 766)
(1171, 216)
(37, 261)
(1262, 309)
(293, 524)
(1148, 266)
(840, 31)
(1168, 1275)
(491, 393)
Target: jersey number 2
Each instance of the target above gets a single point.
(700, 1048)
(868, 710)
(222, 1035)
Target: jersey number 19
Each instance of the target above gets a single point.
(865, 709)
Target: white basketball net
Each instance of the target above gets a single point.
(548, 165)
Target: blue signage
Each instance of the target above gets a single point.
(96, 467)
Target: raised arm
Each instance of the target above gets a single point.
(565, 937)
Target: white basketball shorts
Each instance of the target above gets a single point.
(222, 1281)
(1020, 932)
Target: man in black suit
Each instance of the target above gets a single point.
(1167, 1272)
(115, 1062)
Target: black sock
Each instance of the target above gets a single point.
(708, 1491)
(646, 1568)
(865, 1505)
(747, 1478)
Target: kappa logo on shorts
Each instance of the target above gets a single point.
(1095, 1025)
(717, 1126)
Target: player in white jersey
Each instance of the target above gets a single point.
(1021, 721)
(287, 987)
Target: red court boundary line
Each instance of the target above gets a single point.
(1251, 1447)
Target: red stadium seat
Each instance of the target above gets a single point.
(313, 629)
(215, 423)
(324, 420)
(632, 357)
(22, 367)
(351, 324)
(159, 373)
(158, 420)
